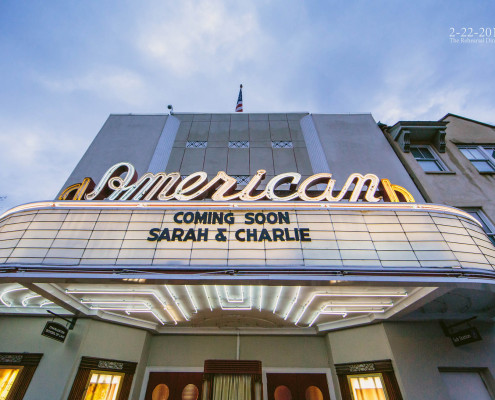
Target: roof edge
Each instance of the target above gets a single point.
(466, 119)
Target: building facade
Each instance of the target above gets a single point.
(264, 256)
(456, 170)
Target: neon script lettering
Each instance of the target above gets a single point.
(120, 182)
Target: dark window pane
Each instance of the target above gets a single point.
(416, 153)
(430, 166)
(476, 215)
(426, 152)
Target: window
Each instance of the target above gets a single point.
(488, 227)
(16, 371)
(482, 157)
(239, 144)
(427, 158)
(368, 380)
(103, 386)
(282, 144)
(196, 145)
(99, 379)
(367, 387)
(7, 379)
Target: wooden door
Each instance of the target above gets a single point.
(174, 386)
(297, 387)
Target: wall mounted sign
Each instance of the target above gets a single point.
(465, 336)
(120, 182)
(55, 331)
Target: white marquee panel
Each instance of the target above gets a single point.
(366, 236)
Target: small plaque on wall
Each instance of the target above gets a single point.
(465, 336)
(55, 331)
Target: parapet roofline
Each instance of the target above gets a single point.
(234, 113)
(224, 113)
(466, 119)
(428, 124)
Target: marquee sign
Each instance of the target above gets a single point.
(120, 182)
(208, 235)
(261, 234)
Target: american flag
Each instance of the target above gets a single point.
(238, 107)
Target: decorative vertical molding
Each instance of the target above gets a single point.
(163, 149)
(315, 151)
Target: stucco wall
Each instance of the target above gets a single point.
(351, 143)
(354, 143)
(190, 351)
(56, 372)
(416, 349)
(273, 351)
(129, 138)
(419, 348)
(367, 343)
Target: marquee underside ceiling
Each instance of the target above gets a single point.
(358, 264)
(223, 308)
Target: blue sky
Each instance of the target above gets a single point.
(66, 65)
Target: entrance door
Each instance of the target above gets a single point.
(297, 387)
(174, 386)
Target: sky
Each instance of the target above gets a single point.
(65, 65)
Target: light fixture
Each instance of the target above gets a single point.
(191, 299)
(10, 291)
(124, 292)
(27, 298)
(208, 298)
(176, 301)
(354, 295)
(277, 299)
(294, 300)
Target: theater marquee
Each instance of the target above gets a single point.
(164, 222)
(120, 183)
(207, 235)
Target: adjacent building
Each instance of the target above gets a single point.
(256, 256)
(451, 161)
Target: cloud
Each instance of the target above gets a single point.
(201, 36)
(72, 65)
(393, 107)
(109, 83)
(34, 162)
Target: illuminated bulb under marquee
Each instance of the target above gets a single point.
(302, 306)
(27, 298)
(7, 292)
(123, 292)
(360, 295)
